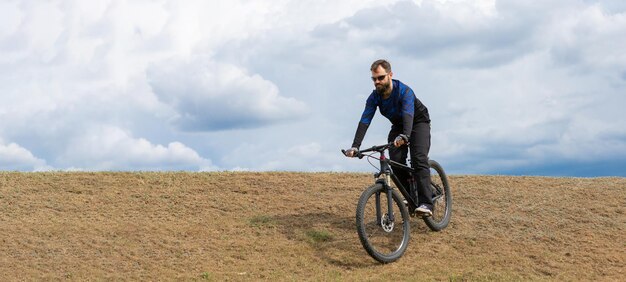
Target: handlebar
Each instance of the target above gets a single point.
(379, 148)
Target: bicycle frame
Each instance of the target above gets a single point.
(387, 172)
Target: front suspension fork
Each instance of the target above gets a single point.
(389, 197)
(390, 216)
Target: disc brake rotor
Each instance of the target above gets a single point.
(386, 224)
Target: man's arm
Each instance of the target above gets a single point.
(364, 123)
(359, 135)
(408, 111)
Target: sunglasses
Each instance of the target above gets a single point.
(380, 77)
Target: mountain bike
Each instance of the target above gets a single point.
(382, 215)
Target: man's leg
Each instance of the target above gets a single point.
(420, 146)
(399, 155)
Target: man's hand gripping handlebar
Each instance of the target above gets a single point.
(352, 152)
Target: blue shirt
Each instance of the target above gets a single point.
(402, 108)
(402, 101)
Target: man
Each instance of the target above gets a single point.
(410, 123)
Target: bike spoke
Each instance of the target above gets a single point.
(439, 203)
(385, 237)
(442, 200)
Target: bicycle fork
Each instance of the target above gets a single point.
(379, 214)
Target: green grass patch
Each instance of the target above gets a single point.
(262, 221)
(206, 276)
(319, 236)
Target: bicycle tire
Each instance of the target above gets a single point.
(373, 233)
(442, 206)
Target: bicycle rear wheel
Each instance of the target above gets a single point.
(383, 239)
(442, 198)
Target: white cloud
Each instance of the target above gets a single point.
(10, 18)
(16, 157)
(588, 38)
(112, 148)
(311, 157)
(211, 96)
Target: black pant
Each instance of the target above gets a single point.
(419, 145)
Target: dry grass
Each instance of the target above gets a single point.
(293, 226)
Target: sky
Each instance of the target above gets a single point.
(512, 87)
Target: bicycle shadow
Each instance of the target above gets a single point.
(333, 237)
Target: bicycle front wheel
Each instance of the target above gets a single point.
(384, 233)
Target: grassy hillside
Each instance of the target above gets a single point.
(293, 226)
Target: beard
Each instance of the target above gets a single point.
(383, 88)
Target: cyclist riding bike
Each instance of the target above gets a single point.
(410, 124)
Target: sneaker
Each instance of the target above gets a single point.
(423, 210)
